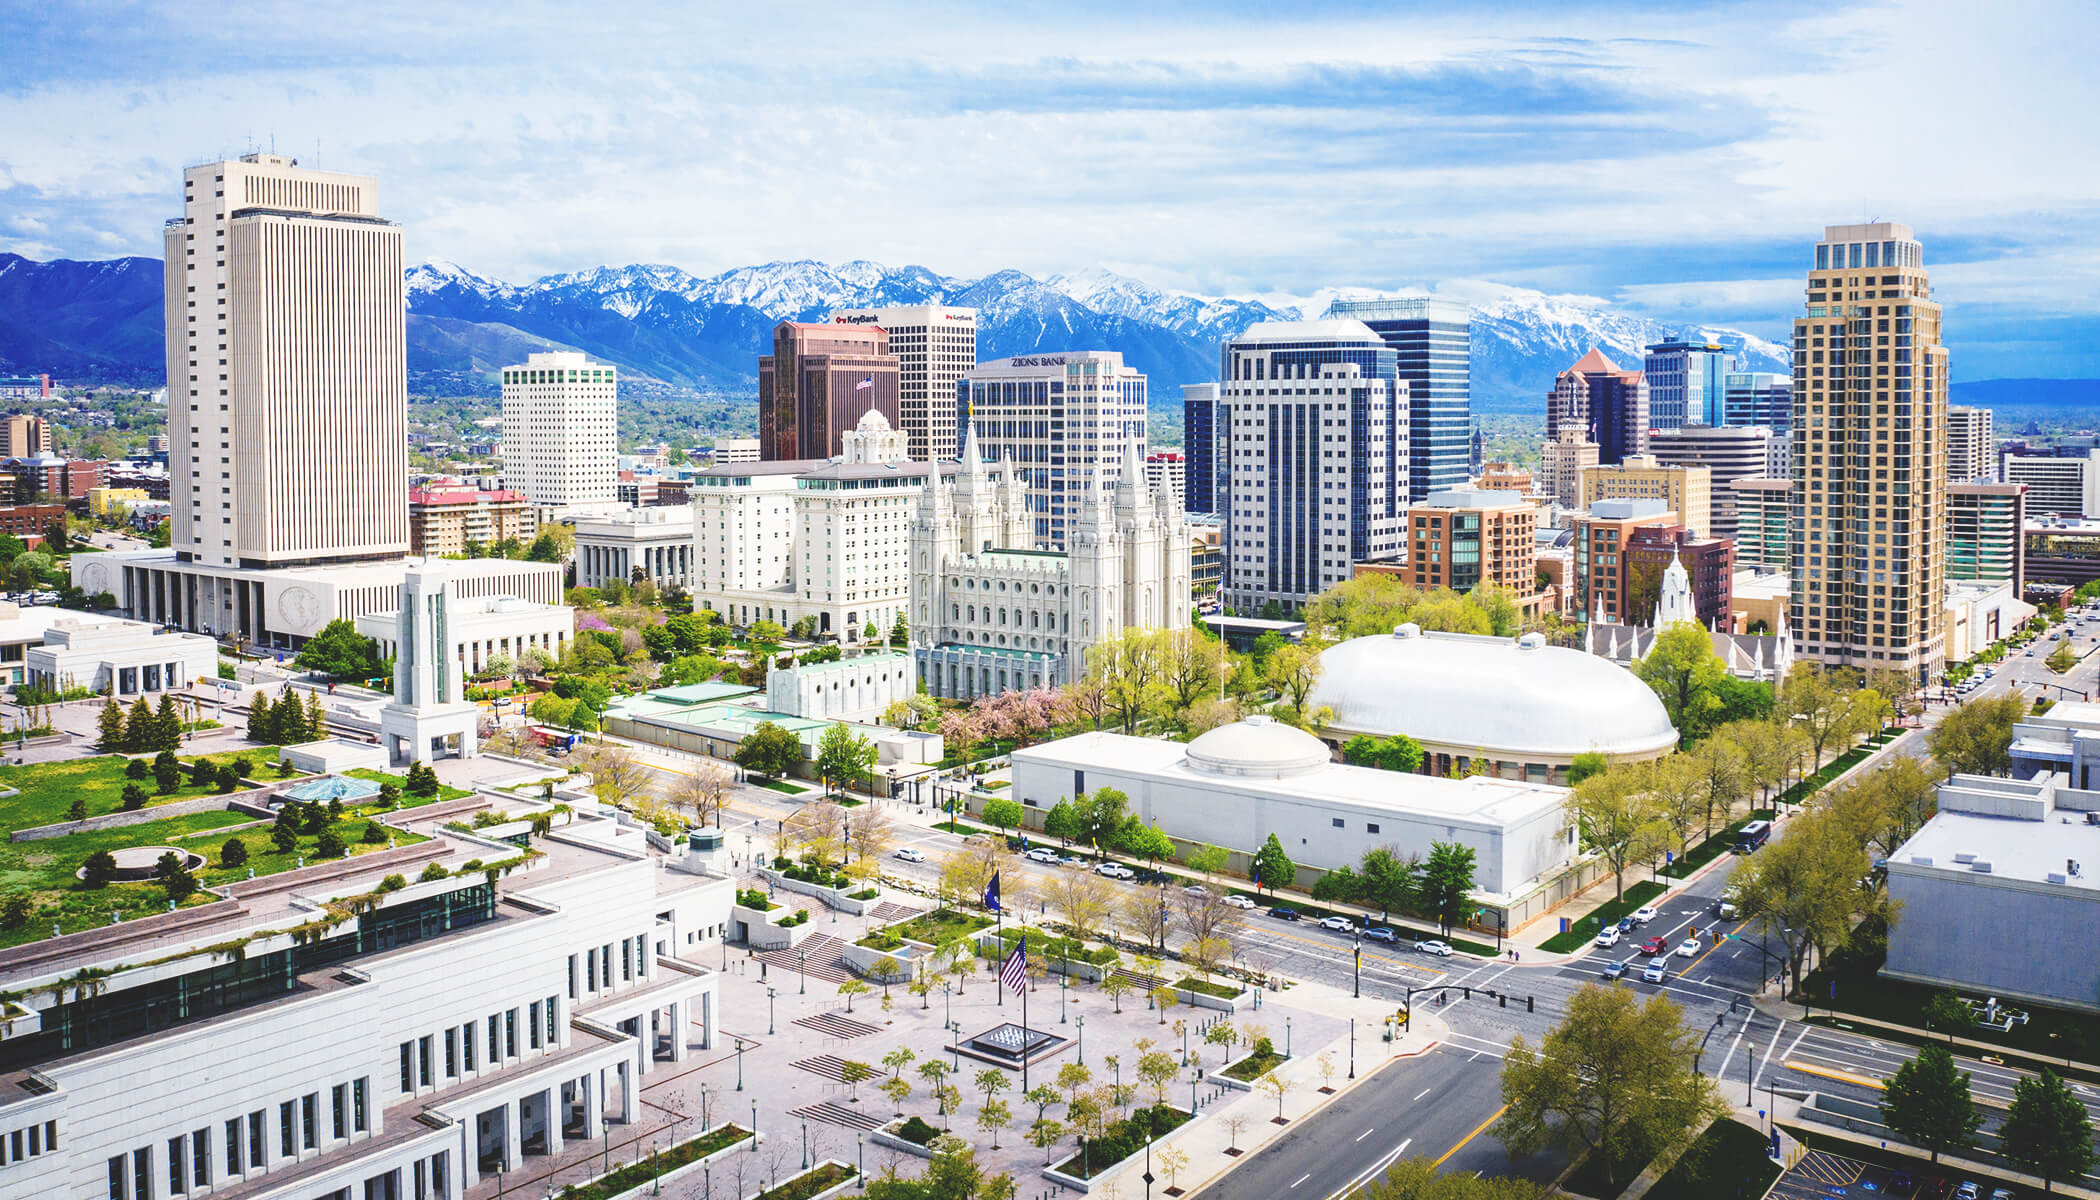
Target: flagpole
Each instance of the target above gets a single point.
(1024, 1015)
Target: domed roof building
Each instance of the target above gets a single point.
(1526, 707)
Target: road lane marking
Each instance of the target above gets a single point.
(1366, 1133)
(1797, 1039)
(1477, 1131)
(1375, 1168)
(1426, 1091)
(1710, 949)
(1303, 1178)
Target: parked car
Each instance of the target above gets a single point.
(1617, 970)
(1688, 948)
(1654, 946)
(1338, 924)
(1380, 933)
(1625, 924)
(1432, 946)
(1071, 860)
(1043, 855)
(1284, 912)
(1969, 1190)
(1115, 871)
(1239, 902)
(1656, 971)
(1644, 914)
(1195, 889)
(1608, 936)
(1148, 875)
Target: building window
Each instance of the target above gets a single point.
(286, 1146)
(1371, 827)
(1337, 822)
(178, 1166)
(309, 1120)
(466, 1043)
(339, 1112)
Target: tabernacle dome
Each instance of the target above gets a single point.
(1524, 706)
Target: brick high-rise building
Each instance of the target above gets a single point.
(1687, 490)
(1610, 405)
(1601, 539)
(1870, 456)
(818, 383)
(1709, 561)
(1460, 539)
(24, 435)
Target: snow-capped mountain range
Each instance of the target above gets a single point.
(665, 324)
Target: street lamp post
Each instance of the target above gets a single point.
(1286, 1037)
(1082, 1039)
(769, 1012)
(1352, 1047)
(740, 1064)
(802, 969)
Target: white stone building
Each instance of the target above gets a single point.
(655, 544)
(825, 539)
(451, 1029)
(1064, 420)
(561, 429)
(483, 627)
(855, 688)
(1236, 785)
(59, 650)
(988, 615)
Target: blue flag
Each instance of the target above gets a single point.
(991, 894)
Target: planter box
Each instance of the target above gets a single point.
(1108, 1173)
(827, 1193)
(1204, 1000)
(862, 960)
(693, 1168)
(883, 1137)
(763, 931)
(832, 897)
(989, 942)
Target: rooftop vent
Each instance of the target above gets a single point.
(1532, 641)
(1409, 630)
(1964, 858)
(1923, 860)
(1981, 867)
(2054, 878)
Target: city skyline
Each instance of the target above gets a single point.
(1693, 150)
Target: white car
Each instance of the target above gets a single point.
(1115, 871)
(1644, 914)
(1657, 970)
(1196, 889)
(1688, 948)
(907, 854)
(1432, 946)
(1609, 936)
(1239, 902)
(1338, 924)
(1042, 855)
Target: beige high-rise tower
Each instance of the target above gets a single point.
(287, 368)
(1868, 529)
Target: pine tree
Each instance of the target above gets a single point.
(167, 725)
(262, 720)
(316, 718)
(138, 728)
(109, 727)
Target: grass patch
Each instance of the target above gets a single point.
(809, 1183)
(633, 1176)
(47, 790)
(1800, 792)
(917, 1130)
(2049, 1034)
(1584, 931)
(444, 792)
(1727, 1160)
(1257, 1064)
(960, 827)
(1055, 949)
(1123, 1139)
(44, 869)
(937, 928)
(1710, 849)
(1189, 983)
(783, 787)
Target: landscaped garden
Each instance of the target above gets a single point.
(1264, 1058)
(636, 1174)
(1122, 1139)
(1189, 983)
(410, 796)
(46, 792)
(819, 1178)
(937, 928)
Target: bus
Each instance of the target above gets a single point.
(1751, 836)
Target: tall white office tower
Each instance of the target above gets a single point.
(935, 345)
(1063, 419)
(561, 432)
(1972, 453)
(287, 368)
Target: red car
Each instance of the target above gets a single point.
(1654, 945)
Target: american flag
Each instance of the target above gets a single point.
(1013, 976)
(864, 384)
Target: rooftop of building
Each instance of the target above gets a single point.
(1761, 483)
(1512, 698)
(1474, 498)
(1401, 308)
(1330, 330)
(1629, 509)
(1056, 358)
(463, 494)
(2033, 830)
(853, 662)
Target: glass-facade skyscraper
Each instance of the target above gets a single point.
(1433, 343)
(1203, 486)
(1686, 378)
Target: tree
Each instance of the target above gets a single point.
(1083, 899)
(992, 1116)
(77, 810)
(1976, 738)
(1390, 879)
(109, 728)
(1948, 1013)
(234, 853)
(1003, 814)
(1278, 1086)
(2047, 1131)
(1100, 816)
(1805, 886)
(851, 988)
(1139, 840)
(1190, 662)
(339, 651)
(702, 791)
(869, 833)
(1207, 859)
(2063, 658)
(1071, 1077)
(329, 845)
(1273, 867)
(617, 776)
(98, 869)
(138, 728)
(134, 797)
(1616, 818)
(1586, 765)
(1447, 881)
(1062, 822)
(1817, 704)
(1293, 670)
(174, 877)
(769, 750)
(1718, 764)
(1044, 1134)
(1613, 1078)
(1157, 1068)
(843, 756)
(1677, 789)
(1683, 670)
(1130, 669)
(1417, 1179)
(1927, 1104)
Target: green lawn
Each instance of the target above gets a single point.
(1728, 1160)
(47, 789)
(783, 787)
(941, 926)
(1582, 932)
(1189, 983)
(638, 1173)
(444, 792)
(1252, 1067)
(45, 868)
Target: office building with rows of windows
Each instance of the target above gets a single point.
(935, 345)
(1062, 419)
(1432, 343)
(1686, 378)
(314, 1034)
(561, 430)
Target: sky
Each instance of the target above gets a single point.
(1679, 160)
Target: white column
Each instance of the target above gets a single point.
(513, 1150)
(681, 1016)
(554, 1119)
